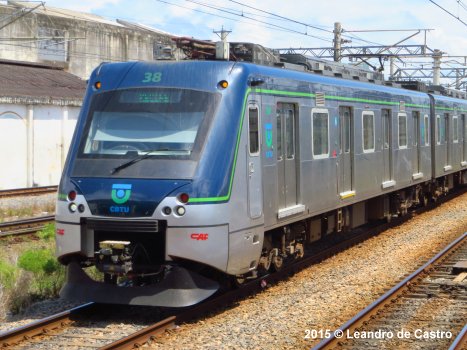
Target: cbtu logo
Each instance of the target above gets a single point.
(120, 194)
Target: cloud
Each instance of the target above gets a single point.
(83, 5)
(190, 19)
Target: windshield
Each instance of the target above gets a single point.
(159, 123)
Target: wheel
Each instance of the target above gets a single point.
(300, 251)
(277, 262)
(424, 200)
(388, 218)
(239, 280)
(265, 261)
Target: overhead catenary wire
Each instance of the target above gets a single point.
(346, 35)
(220, 16)
(450, 13)
(258, 21)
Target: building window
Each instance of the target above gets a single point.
(162, 51)
(402, 130)
(368, 120)
(52, 45)
(320, 133)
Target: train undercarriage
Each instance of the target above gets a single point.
(124, 260)
(288, 243)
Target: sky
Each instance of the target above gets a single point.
(200, 18)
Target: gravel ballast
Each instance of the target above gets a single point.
(328, 294)
(323, 296)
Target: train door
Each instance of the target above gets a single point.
(345, 161)
(255, 190)
(387, 144)
(286, 155)
(416, 142)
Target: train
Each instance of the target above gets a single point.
(184, 174)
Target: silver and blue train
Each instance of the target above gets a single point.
(181, 174)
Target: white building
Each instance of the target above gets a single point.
(39, 98)
(39, 106)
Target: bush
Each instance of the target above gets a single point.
(47, 233)
(7, 275)
(38, 261)
(48, 274)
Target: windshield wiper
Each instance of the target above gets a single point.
(136, 159)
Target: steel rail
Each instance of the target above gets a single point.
(24, 226)
(13, 337)
(147, 334)
(28, 191)
(393, 293)
(142, 336)
(461, 340)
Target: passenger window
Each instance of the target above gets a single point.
(347, 132)
(368, 132)
(386, 116)
(402, 130)
(444, 128)
(253, 127)
(320, 133)
(290, 134)
(438, 130)
(426, 131)
(455, 129)
(279, 134)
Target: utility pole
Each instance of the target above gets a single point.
(392, 68)
(437, 55)
(337, 41)
(222, 47)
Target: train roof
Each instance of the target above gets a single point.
(254, 53)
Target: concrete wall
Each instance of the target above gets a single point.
(77, 45)
(34, 141)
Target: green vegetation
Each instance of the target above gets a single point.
(7, 274)
(47, 233)
(30, 273)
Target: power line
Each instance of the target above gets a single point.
(462, 4)
(282, 17)
(224, 17)
(256, 20)
(450, 13)
(305, 24)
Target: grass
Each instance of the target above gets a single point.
(29, 272)
(12, 213)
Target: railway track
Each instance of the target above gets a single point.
(42, 336)
(427, 307)
(54, 326)
(30, 191)
(24, 226)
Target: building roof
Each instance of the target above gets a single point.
(39, 83)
